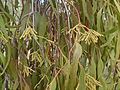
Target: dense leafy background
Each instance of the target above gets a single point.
(59, 44)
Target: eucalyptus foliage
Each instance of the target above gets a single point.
(59, 44)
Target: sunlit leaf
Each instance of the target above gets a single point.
(117, 5)
(77, 51)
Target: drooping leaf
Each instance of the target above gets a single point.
(53, 84)
(74, 66)
(118, 85)
(100, 68)
(82, 85)
(16, 84)
(109, 39)
(99, 15)
(84, 6)
(2, 24)
(118, 46)
(40, 25)
(2, 59)
(77, 51)
(8, 59)
(92, 69)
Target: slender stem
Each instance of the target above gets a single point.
(68, 22)
(67, 12)
(78, 15)
(33, 16)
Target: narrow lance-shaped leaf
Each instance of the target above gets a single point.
(74, 66)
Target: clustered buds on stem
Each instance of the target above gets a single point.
(29, 33)
(89, 35)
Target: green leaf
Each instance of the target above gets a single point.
(34, 79)
(77, 51)
(84, 6)
(66, 70)
(74, 66)
(103, 83)
(24, 16)
(117, 5)
(1, 82)
(73, 75)
(16, 84)
(12, 69)
(118, 46)
(8, 15)
(94, 6)
(53, 84)
(82, 85)
(40, 25)
(2, 59)
(2, 24)
(109, 40)
(108, 32)
(8, 59)
(99, 14)
(100, 68)
(118, 85)
(92, 69)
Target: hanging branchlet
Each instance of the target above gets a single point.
(89, 36)
(29, 33)
(91, 82)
